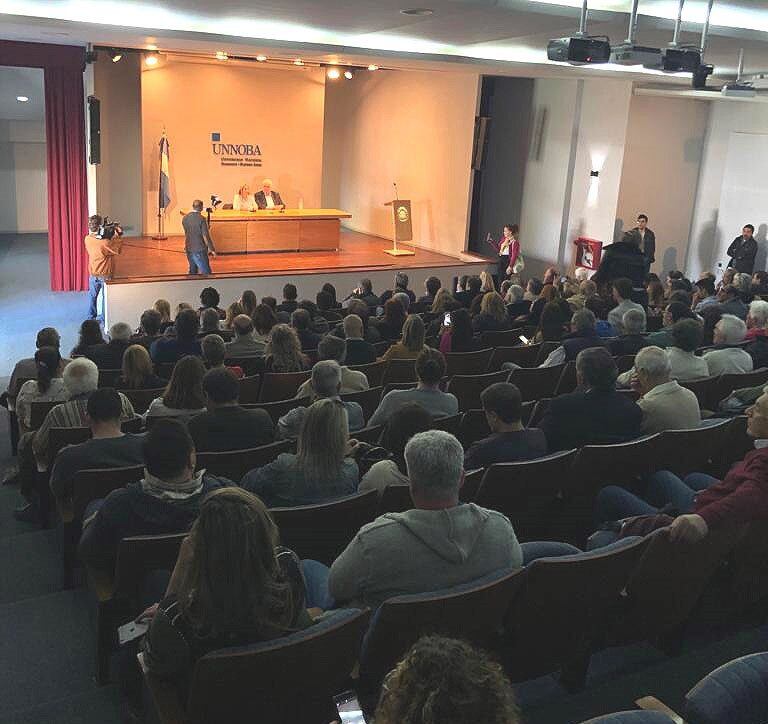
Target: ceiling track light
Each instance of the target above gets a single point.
(333, 73)
(373, 67)
(115, 55)
(348, 74)
(221, 55)
(151, 60)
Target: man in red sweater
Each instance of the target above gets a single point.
(703, 501)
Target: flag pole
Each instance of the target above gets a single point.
(162, 195)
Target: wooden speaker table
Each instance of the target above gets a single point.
(290, 230)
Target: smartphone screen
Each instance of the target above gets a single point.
(524, 339)
(447, 319)
(349, 709)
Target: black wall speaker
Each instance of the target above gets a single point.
(94, 130)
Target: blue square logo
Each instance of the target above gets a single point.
(216, 137)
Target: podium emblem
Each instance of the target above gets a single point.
(402, 214)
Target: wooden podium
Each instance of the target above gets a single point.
(402, 229)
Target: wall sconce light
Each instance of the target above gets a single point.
(594, 174)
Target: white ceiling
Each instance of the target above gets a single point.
(509, 32)
(21, 82)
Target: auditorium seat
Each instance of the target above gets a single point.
(703, 388)
(164, 369)
(522, 355)
(322, 531)
(559, 615)
(281, 385)
(467, 363)
(400, 370)
(109, 378)
(473, 427)
(118, 596)
(38, 411)
(472, 482)
(142, 399)
(249, 365)
(727, 383)
(500, 338)
(373, 371)
(748, 568)
(474, 611)
(367, 399)
(250, 388)
(395, 499)
(695, 450)
(625, 362)
(467, 388)
(538, 411)
(288, 680)
(537, 382)
(632, 717)
(449, 423)
(277, 409)
(530, 493)
(567, 382)
(234, 464)
(371, 435)
(545, 349)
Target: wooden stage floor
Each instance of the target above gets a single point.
(144, 259)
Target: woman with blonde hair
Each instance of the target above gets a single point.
(233, 585)
(442, 299)
(493, 314)
(163, 308)
(412, 341)
(487, 284)
(283, 351)
(138, 373)
(319, 471)
(183, 397)
(233, 310)
(244, 200)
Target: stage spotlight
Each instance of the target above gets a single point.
(333, 73)
(22, 99)
(221, 55)
(373, 66)
(348, 74)
(298, 61)
(151, 60)
(261, 58)
(116, 55)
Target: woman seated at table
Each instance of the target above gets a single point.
(244, 200)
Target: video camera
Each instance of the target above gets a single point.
(109, 229)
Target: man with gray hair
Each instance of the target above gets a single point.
(665, 404)
(728, 357)
(440, 543)
(401, 285)
(633, 339)
(583, 336)
(334, 348)
(517, 306)
(757, 319)
(109, 355)
(244, 344)
(324, 383)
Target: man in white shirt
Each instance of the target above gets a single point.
(665, 404)
(622, 295)
(728, 358)
(267, 198)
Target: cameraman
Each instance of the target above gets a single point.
(101, 259)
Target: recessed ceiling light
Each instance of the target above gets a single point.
(221, 55)
(333, 73)
(419, 12)
(373, 66)
(151, 60)
(261, 58)
(116, 55)
(22, 99)
(348, 74)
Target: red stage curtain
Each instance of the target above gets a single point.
(63, 67)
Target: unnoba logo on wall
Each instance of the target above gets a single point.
(235, 154)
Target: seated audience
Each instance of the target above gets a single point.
(430, 369)
(509, 440)
(359, 352)
(183, 397)
(533, 289)
(390, 326)
(551, 275)
(90, 336)
(440, 543)
(48, 385)
(674, 312)
(728, 357)
(595, 415)
(166, 500)
(403, 424)
(209, 322)
(731, 302)
(702, 502)
(283, 351)
(365, 294)
(319, 471)
(233, 585)
(209, 299)
(622, 295)
(412, 341)
(442, 303)
(330, 290)
(109, 446)
(401, 286)
(163, 308)
(271, 302)
(655, 290)
(665, 404)
(446, 681)
(317, 317)
(249, 302)
(760, 283)
(214, 351)
(458, 336)
(301, 321)
(465, 298)
(487, 283)
(493, 314)
(432, 287)
(234, 310)
(264, 318)
(551, 324)
(633, 338)
(743, 284)
(109, 356)
(289, 303)
(246, 343)
(757, 320)
(149, 328)
(224, 425)
(325, 383)
(516, 305)
(370, 332)
(137, 371)
(333, 348)
(171, 349)
(587, 290)
(583, 336)
(704, 294)
(26, 368)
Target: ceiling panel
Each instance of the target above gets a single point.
(21, 82)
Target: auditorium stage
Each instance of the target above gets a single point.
(151, 269)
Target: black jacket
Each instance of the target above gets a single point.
(647, 244)
(621, 259)
(742, 253)
(360, 352)
(590, 418)
(231, 428)
(261, 199)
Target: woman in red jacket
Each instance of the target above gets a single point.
(509, 250)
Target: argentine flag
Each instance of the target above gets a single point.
(165, 182)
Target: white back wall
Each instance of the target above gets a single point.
(23, 177)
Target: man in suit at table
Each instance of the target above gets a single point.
(647, 241)
(267, 198)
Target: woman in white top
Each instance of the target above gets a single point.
(183, 398)
(48, 387)
(243, 200)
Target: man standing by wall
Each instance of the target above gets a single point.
(198, 243)
(101, 261)
(743, 251)
(647, 241)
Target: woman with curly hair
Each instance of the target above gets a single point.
(445, 681)
(283, 351)
(493, 314)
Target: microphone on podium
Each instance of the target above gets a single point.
(397, 198)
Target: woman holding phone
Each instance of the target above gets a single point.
(509, 251)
